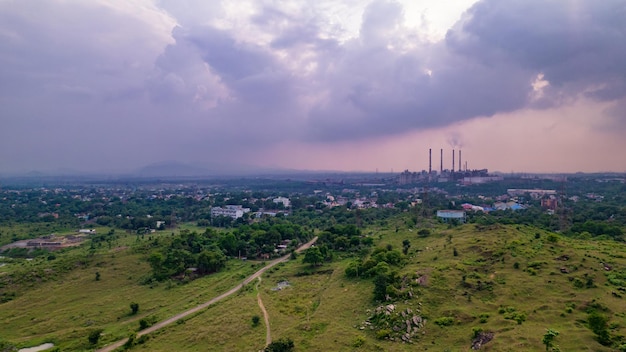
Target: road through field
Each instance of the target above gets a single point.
(193, 310)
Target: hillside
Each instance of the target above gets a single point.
(512, 281)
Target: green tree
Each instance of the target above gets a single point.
(598, 323)
(313, 256)
(548, 338)
(134, 308)
(94, 336)
(406, 244)
(211, 261)
(256, 320)
(280, 345)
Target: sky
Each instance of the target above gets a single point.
(350, 85)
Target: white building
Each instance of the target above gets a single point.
(286, 202)
(89, 231)
(447, 215)
(233, 211)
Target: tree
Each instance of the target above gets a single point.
(598, 323)
(548, 338)
(406, 244)
(134, 308)
(97, 276)
(280, 345)
(313, 256)
(94, 336)
(255, 320)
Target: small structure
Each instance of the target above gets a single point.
(448, 215)
(233, 211)
(284, 201)
(87, 231)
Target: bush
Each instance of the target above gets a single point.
(358, 342)
(476, 332)
(553, 238)
(94, 336)
(383, 334)
(444, 321)
(280, 345)
(256, 320)
(134, 308)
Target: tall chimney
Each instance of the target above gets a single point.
(452, 160)
(441, 166)
(430, 160)
(460, 165)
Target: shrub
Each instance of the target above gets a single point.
(444, 321)
(476, 332)
(553, 238)
(94, 336)
(134, 308)
(280, 345)
(383, 334)
(255, 320)
(358, 342)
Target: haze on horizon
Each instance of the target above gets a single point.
(354, 85)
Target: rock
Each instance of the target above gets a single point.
(481, 339)
(564, 270)
(417, 320)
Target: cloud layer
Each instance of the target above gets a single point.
(119, 84)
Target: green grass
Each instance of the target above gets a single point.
(478, 288)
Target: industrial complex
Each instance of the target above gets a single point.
(461, 175)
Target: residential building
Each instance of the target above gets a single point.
(233, 211)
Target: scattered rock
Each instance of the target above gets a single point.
(481, 339)
(564, 270)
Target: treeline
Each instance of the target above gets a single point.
(196, 253)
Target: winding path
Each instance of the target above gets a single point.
(193, 310)
(266, 317)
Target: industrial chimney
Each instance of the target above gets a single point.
(441, 166)
(460, 165)
(430, 160)
(452, 161)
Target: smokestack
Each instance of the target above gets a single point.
(460, 165)
(452, 160)
(441, 166)
(430, 160)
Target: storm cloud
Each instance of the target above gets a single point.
(130, 83)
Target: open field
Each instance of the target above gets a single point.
(64, 310)
(488, 278)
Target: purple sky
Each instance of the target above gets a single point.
(114, 85)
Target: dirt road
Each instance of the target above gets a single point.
(171, 320)
(266, 316)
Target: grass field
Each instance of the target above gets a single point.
(498, 276)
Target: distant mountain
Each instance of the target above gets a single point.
(179, 169)
(172, 169)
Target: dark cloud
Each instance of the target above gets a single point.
(69, 69)
(579, 46)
